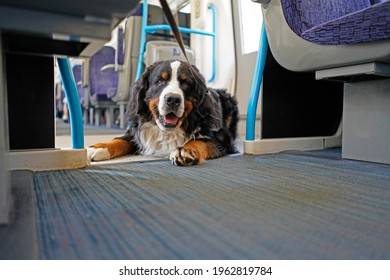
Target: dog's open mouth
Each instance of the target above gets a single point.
(169, 120)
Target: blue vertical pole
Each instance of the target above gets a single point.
(214, 59)
(76, 119)
(142, 43)
(256, 82)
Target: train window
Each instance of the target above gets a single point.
(251, 19)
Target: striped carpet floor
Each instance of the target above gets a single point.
(309, 205)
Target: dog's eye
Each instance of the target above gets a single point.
(160, 81)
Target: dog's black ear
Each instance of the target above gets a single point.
(203, 104)
(210, 110)
(138, 90)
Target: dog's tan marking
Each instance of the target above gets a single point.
(193, 152)
(204, 150)
(116, 147)
(153, 107)
(229, 120)
(164, 75)
(188, 106)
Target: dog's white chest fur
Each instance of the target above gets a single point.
(160, 143)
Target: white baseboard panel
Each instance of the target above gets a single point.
(50, 159)
(269, 146)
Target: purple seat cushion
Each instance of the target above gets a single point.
(367, 25)
(302, 15)
(100, 97)
(111, 92)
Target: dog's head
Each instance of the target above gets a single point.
(167, 93)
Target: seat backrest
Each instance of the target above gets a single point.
(78, 77)
(302, 15)
(76, 69)
(102, 80)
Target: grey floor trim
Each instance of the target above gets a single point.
(18, 240)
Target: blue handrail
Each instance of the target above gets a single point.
(214, 61)
(153, 28)
(142, 43)
(76, 119)
(256, 83)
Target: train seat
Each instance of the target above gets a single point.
(103, 79)
(361, 24)
(344, 40)
(310, 35)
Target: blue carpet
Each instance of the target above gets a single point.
(280, 206)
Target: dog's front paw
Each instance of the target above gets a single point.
(183, 157)
(96, 153)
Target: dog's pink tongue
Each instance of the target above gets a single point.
(171, 118)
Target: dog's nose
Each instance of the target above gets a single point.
(172, 99)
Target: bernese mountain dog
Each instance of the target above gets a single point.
(170, 115)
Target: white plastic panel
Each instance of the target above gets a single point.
(165, 50)
(201, 18)
(48, 159)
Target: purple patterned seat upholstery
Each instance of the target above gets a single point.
(78, 77)
(335, 22)
(102, 80)
(60, 96)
